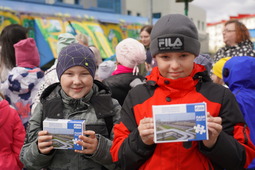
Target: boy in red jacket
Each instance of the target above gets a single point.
(178, 80)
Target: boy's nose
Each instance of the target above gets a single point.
(175, 64)
(76, 79)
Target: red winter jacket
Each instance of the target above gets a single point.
(233, 149)
(12, 137)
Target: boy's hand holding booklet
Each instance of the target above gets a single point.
(65, 132)
(180, 122)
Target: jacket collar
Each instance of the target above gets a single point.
(76, 102)
(179, 85)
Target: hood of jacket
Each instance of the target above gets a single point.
(21, 80)
(238, 73)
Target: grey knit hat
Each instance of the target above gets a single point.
(76, 55)
(174, 33)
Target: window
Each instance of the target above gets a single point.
(203, 26)
(138, 14)
(156, 15)
(112, 5)
(129, 12)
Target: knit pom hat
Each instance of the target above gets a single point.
(218, 66)
(26, 53)
(64, 40)
(130, 53)
(174, 33)
(76, 55)
(205, 60)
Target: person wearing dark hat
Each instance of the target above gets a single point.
(50, 75)
(78, 96)
(179, 80)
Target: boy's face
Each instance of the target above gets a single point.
(76, 82)
(175, 65)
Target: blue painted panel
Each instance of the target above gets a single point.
(43, 47)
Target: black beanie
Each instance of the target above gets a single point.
(174, 33)
(76, 55)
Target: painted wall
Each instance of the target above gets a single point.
(45, 31)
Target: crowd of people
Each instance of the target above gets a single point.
(116, 99)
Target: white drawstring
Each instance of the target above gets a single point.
(135, 70)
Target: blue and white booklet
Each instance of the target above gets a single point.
(180, 122)
(65, 132)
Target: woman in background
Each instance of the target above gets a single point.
(146, 40)
(237, 41)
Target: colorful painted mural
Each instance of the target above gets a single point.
(7, 18)
(95, 34)
(45, 30)
(117, 32)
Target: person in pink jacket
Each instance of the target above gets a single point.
(12, 137)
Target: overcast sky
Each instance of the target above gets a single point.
(218, 10)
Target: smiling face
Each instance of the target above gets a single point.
(145, 38)
(76, 82)
(175, 65)
(229, 34)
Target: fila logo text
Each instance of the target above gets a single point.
(171, 43)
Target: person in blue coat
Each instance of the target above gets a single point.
(238, 74)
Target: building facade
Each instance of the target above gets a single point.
(154, 8)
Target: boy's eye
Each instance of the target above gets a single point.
(183, 55)
(164, 56)
(68, 73)
(84, 74)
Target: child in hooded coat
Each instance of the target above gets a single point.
(23, 81)
(129, 54)
(238, 75)
(12, 137)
